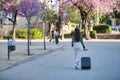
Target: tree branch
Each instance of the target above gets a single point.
(75, 4)
(10, 19)
(89, 9)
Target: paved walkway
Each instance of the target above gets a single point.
(59, 65)
(20, 54)
(36, 49)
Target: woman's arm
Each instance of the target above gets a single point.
(72, 41)
(82, 43)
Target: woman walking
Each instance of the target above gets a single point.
(77, 43)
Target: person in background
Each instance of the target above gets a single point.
(77, 44)
(57, 36)
(52, 35)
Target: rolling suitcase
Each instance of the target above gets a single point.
(85, 63)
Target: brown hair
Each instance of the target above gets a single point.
(77, 35)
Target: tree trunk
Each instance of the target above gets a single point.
(87, 35)
(84, 17)
(14, 29)
(28, 35)
(14, 25)
(59, 23)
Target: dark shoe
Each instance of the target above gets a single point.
(85, 49)
(76, 67)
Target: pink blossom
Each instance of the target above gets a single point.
(105, 6)
(11, 7)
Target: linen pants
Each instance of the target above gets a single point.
(77, 50)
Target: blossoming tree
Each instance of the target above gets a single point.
(86, 6)
(12, 8)
(28, 9)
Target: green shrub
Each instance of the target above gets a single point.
(36, 33)
(75, 24)
(23, 33)
(68, 35)
(102, 28)
(10, 33)
(93, 34)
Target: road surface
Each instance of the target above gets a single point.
(59, 65)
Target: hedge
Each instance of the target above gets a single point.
(102, 28)
(34, 33)
(93, 34)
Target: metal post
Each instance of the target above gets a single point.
(8, 50)
(1, 36)
(44, 36)
(44, 25)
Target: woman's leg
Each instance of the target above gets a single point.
(56, 39)
(77, 52)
